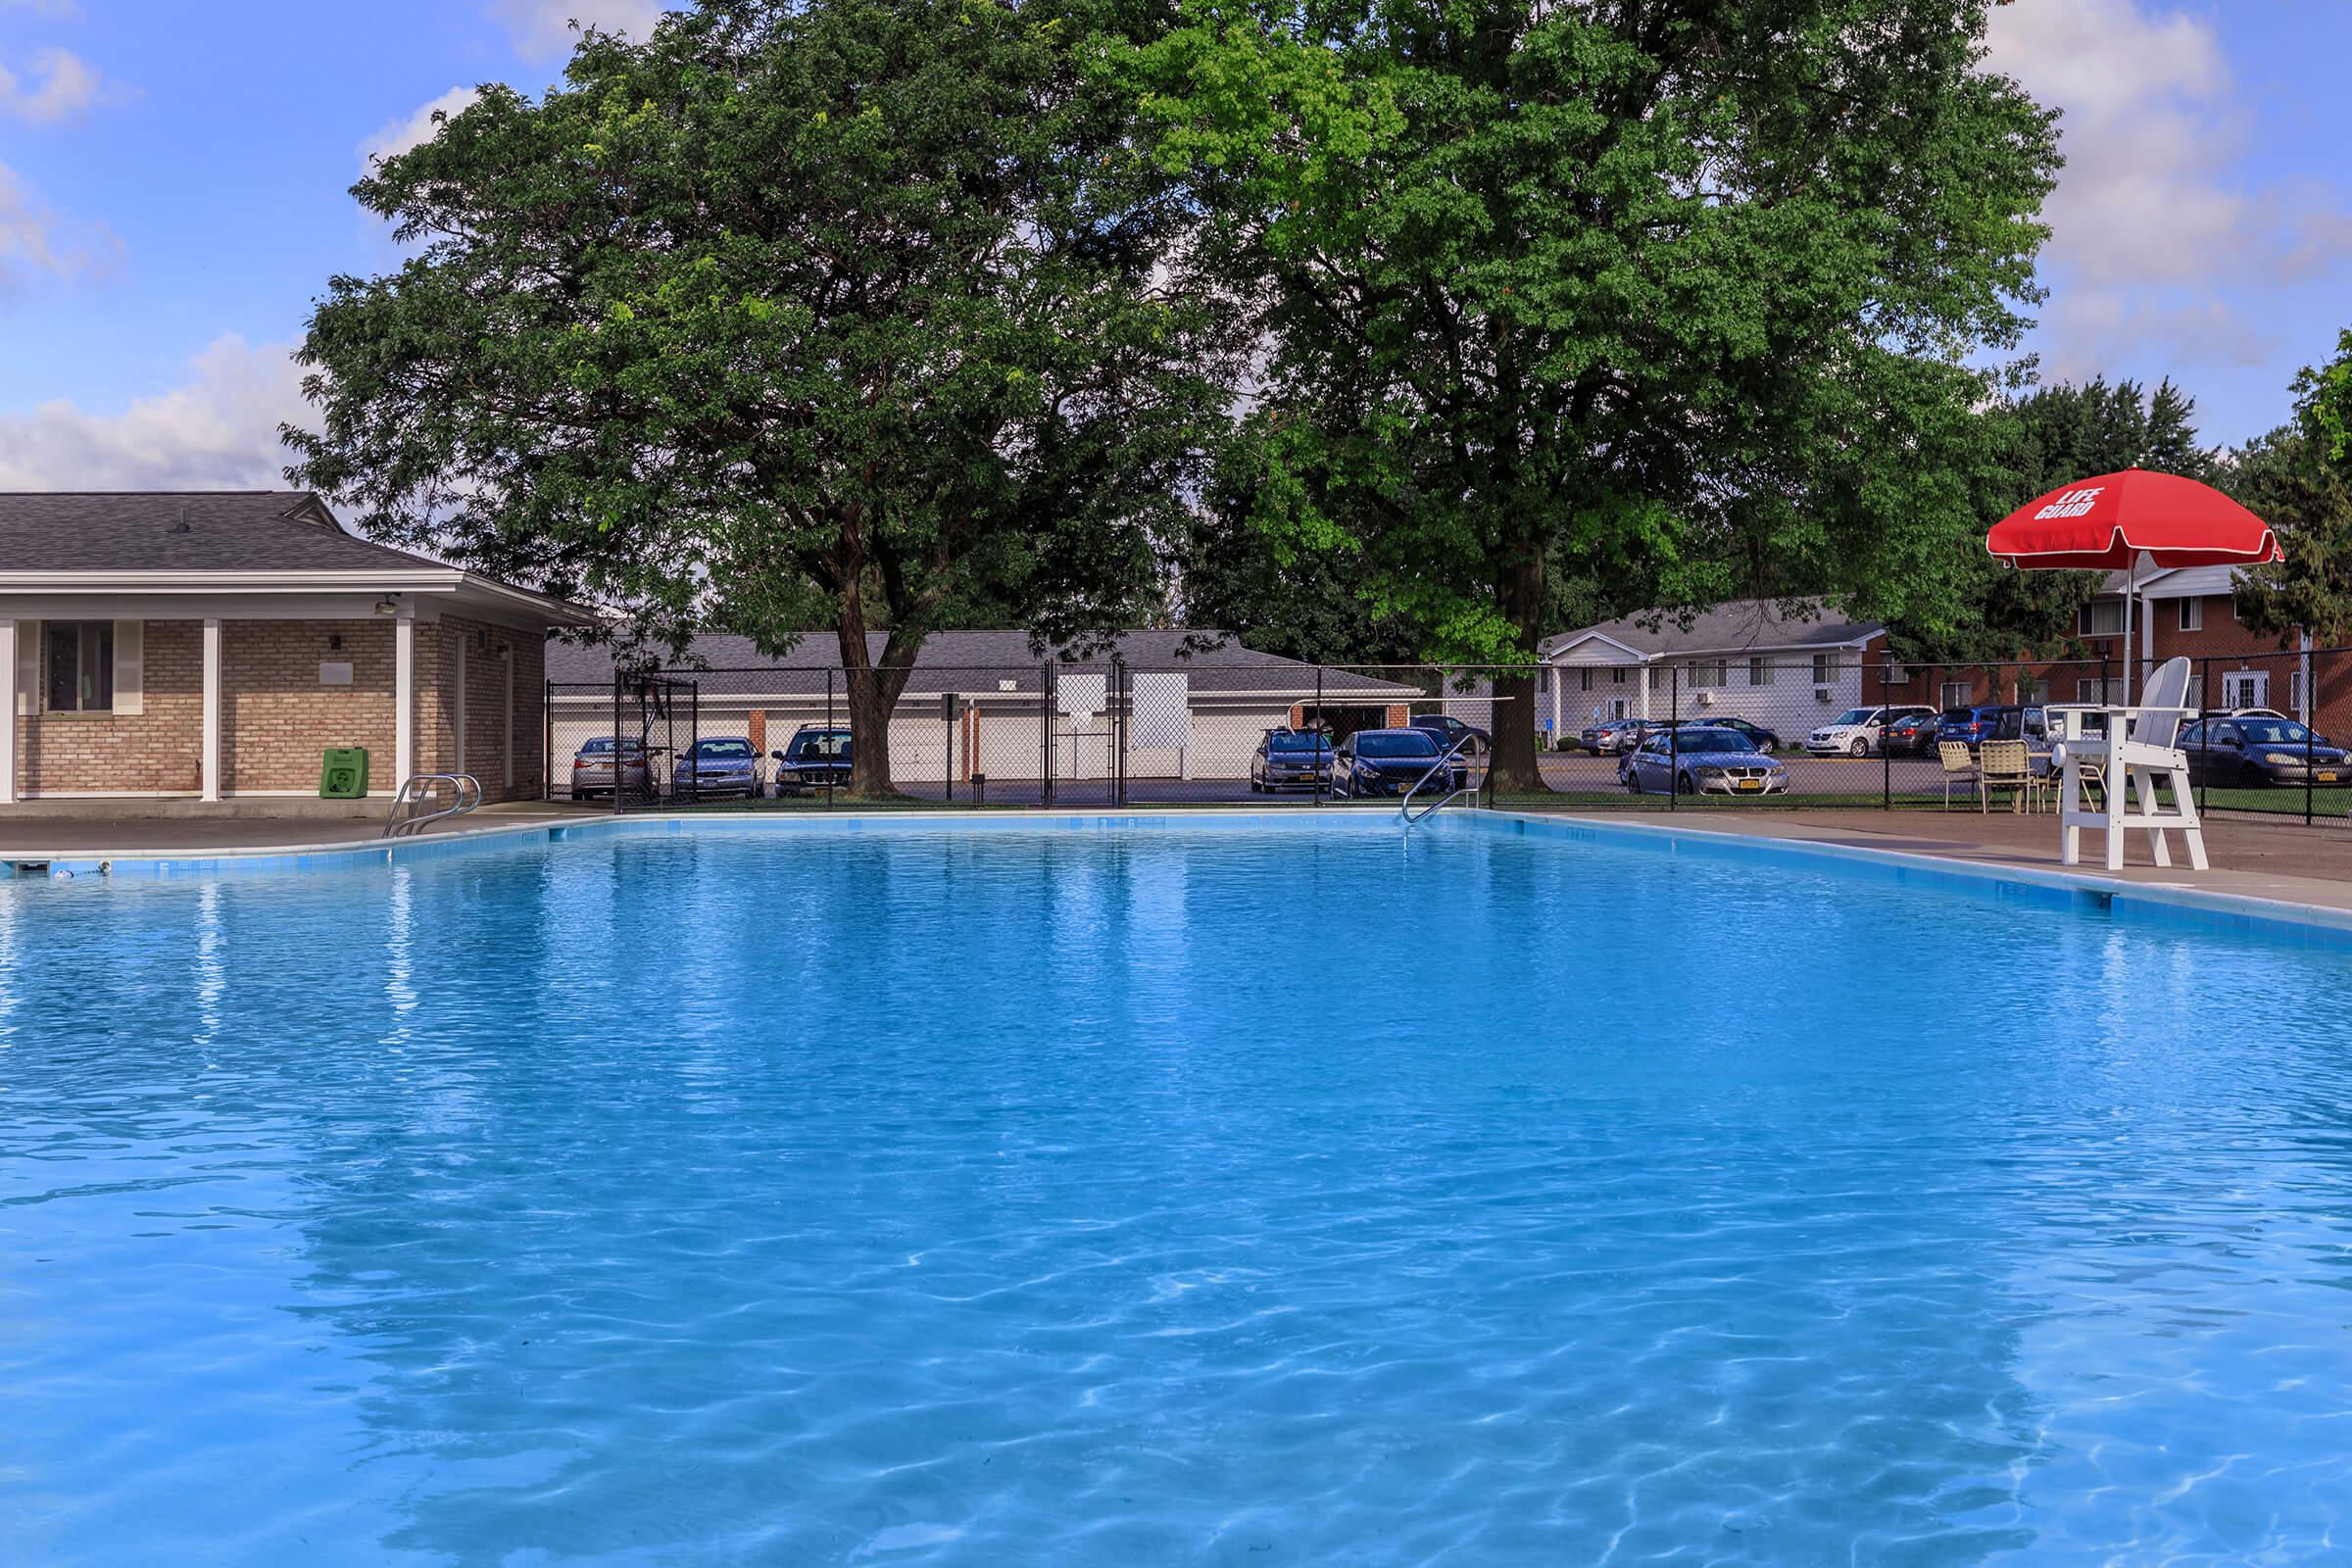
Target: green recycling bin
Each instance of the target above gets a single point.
(343, 773)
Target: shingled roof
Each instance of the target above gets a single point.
(1736, 626)
(194, 530)
(974, 660)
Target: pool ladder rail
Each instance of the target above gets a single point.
(1405, 808)
(421, 788)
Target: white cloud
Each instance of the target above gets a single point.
(217, 429)
(36, 243)
(403, 135)
(543, 28)
(2150, 231)
(61, 86)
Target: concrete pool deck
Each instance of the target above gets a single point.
(2285, 862)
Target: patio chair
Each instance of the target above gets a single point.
(2137, 749)
(1959, 767)
(2005, 765)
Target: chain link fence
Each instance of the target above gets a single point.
(1825, 730)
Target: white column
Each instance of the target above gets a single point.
(456, 688)
(8, 712)
(211, 708)
(404, 695)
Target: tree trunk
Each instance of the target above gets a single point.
(873, 692)
(1521, 592)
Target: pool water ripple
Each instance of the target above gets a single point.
(1137, 1198)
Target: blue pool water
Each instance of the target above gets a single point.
(1137, 1197)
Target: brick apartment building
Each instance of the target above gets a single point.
(211, 644)
(2189, 612)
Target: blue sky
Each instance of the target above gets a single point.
(172, 181)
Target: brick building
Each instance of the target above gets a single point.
(210, 646)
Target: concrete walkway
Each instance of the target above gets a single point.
(2253, 860)
(30, 836)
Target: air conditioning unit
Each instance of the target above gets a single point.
(1706, 699)
(1821, 694)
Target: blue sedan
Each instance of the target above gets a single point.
(723, 764)
(1702, 761)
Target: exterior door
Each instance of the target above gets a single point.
(2246, 688)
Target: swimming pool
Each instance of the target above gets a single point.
(1291, 1194)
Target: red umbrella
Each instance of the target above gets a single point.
(2112, 521)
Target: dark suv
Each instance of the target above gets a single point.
(1973, 726)
(1449, 732)
(819, 758)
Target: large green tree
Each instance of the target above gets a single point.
(851, 313)
(1653, 286)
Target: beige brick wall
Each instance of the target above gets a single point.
(277, 715)
(158, 749)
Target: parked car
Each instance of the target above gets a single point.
(716, 765)
(1763, 739)
(1610, 736)
(1452, 731)
(2233, 751)
(1389, 762)
(819, 758)
(1973, 726)
(1855, 732)
(1699, 759)
(1910, 735)
(1290, 760)
(592, 768)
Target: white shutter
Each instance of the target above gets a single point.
(131, 658)
(29, 667)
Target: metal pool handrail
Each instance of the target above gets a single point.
(1405, 808)
(416, 789)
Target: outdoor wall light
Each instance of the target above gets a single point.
(386, 606)
(335, 642)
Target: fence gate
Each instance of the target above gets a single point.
(656, 721)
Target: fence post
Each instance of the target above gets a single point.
(1314, 727)
(1885, 752)
(2204, 730)
(2309, 668)
(1674, 738)
(547, 742)
(1045, 686)
(616, 768)
(830, 777)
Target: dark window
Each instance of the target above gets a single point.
(79, 657)
(1396, 743)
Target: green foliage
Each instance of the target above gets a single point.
(1675, 295)
(2284, 478)
(2325, 404)
(853, 314)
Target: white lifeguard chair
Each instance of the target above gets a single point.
(2134, 751)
